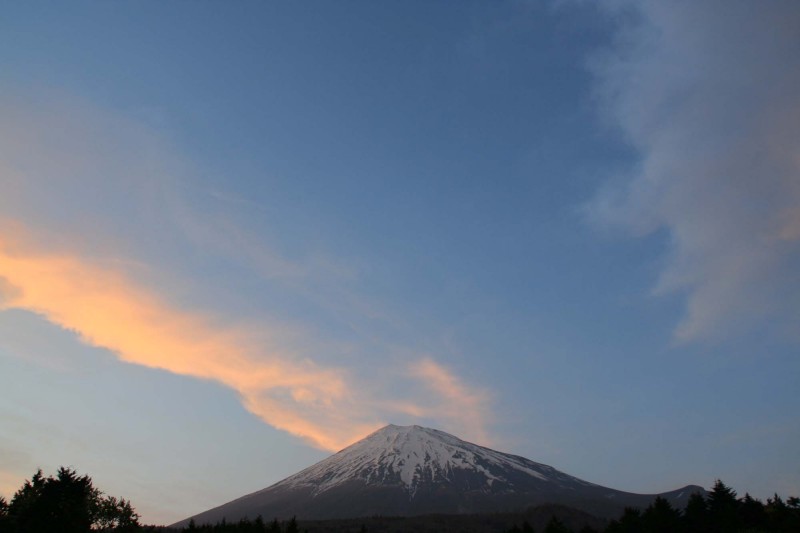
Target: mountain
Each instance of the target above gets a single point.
(412, 470)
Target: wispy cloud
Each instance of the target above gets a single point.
(465, 407)
(326, 406)
(323, 405)
(107, 309)
(84, 205)
(709, 95)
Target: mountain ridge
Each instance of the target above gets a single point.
(414, 470)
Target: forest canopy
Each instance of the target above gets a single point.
(66, 503)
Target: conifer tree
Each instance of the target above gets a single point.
(750, 512)
(696, 516)
(660, 517)
(67, 503)
(629, 522)
(556, 526)
(722, 507)
(4, 520)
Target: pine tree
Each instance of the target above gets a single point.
(660, 517)
(778, 513)
(65, 503)
(629, 522)
(291, 527)
(722, 507)
(696, 516)
(5, 523)
(751, 512)
(556, 526)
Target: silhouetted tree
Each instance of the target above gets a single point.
(720, 512)
(722, 508)
(556, 526)
(291, 527)
(750, 513)
(629, 522)
(114, 514)
(5, 524)
(67, 503)
(696, 516)
(660, 517)
(780, 516)
(64, 503)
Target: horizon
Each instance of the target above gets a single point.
(235, 238)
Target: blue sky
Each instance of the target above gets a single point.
(237, 236)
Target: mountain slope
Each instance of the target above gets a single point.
(411, 470)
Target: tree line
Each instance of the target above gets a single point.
(246, 525)
(69, 503)
(718, 512)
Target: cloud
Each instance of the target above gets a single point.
(708, 93)
(323, 405)
(465, 407)
(99, 217)
(107, 309)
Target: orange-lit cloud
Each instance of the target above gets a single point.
(90, 198)
(106, 309)
(465, 407)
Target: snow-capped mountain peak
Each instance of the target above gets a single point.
(412, 470)
(413, 455)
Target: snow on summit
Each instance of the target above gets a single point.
(412, 470)
(410, 456)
